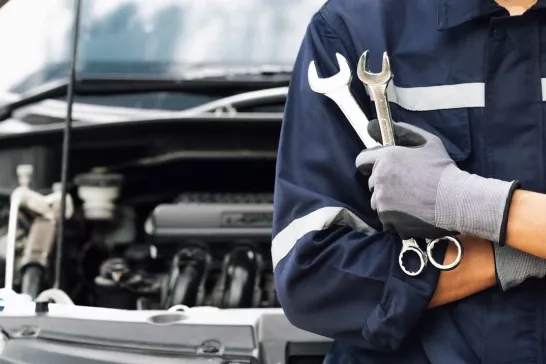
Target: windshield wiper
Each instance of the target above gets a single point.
(200, 80)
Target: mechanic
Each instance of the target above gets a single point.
(468, 96)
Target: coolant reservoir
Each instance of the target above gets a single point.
(99, 191)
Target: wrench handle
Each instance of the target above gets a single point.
(383, 111)
(352, 111)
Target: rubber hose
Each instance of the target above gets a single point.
(31, 281)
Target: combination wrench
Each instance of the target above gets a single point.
(377, 84)
(336, 88)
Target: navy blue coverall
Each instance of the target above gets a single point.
(464, 70)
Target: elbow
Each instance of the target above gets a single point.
(316, 300)
(343, 307)
(295, 305)
(351, 290)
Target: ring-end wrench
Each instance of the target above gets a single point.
(450, 239)
(411, 246)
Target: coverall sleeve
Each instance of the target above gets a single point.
(336, 273)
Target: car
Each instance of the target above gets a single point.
(167, 137)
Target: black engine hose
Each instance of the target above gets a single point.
(32, 280)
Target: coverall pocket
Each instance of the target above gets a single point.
(452, 126)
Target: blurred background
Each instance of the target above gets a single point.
(161, 38)
(175, 124)
(168, 175)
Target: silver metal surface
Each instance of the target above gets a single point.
(450, 239)
(377, 84)
(410, 246)
(337, 88)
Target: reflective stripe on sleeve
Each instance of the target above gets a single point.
(317, 220)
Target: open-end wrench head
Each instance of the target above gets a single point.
(371, 78)
(335, 82)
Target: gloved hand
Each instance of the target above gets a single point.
(418, 191)
(514, 266)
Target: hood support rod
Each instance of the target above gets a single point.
(66, 145)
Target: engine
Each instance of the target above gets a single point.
(129, 251)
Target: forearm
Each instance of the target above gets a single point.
(526, 228)
(475, 273)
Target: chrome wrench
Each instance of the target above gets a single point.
(337, 89)
(377, 83)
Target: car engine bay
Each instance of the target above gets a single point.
(149, 225)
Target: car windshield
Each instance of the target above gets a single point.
(147, 38)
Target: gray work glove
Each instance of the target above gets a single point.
(514, 266)
(419, 192)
